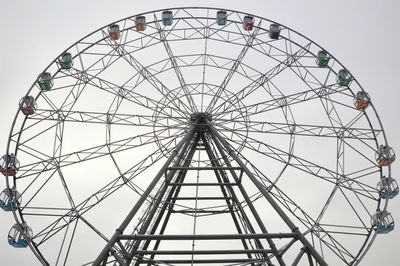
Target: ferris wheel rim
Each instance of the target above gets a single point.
(20, 216)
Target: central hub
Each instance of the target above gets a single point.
(200, 118)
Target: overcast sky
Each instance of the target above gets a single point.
(363, 35)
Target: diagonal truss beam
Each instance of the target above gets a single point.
(249, 203)
(217, 137)
(172, 59)
(234, 99)
(170, 201)
(233, 69)
(329, 131)
(104, 253)
(151, 78)
(105, 118)
(123, 255)
(245, 218)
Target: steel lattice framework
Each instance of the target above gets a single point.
(224, 145)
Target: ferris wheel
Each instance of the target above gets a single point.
(197, 136)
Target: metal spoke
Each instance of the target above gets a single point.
(208, 126)
(311, 224)
(179, 75)
(254, 85)
(151, 78)
(237, 62)
(47, 164)
(110, 118)
(308, 167)
(94, 199)
(288, 100)
(299, 129)
(119, 91)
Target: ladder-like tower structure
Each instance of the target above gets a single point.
(202, 140)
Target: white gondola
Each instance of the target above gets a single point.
(20, 235)
(167, 18)
(274, 31)
(10, 199)
(362, 100)
(113, 32)
(385, 155)
(28, 105)
(222, 17)
(388, 188)
(382, 222)
(9, 165)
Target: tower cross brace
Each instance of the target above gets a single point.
(258, 245)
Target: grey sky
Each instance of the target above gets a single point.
(363, 35)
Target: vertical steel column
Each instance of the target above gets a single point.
(104, 253)
(146, 224)
(269, 198)
(181, 176)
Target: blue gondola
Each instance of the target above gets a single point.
(167, 18)
(222, 17)
(382, 222)
(16, 236)
(388, 188)
(10, 199)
